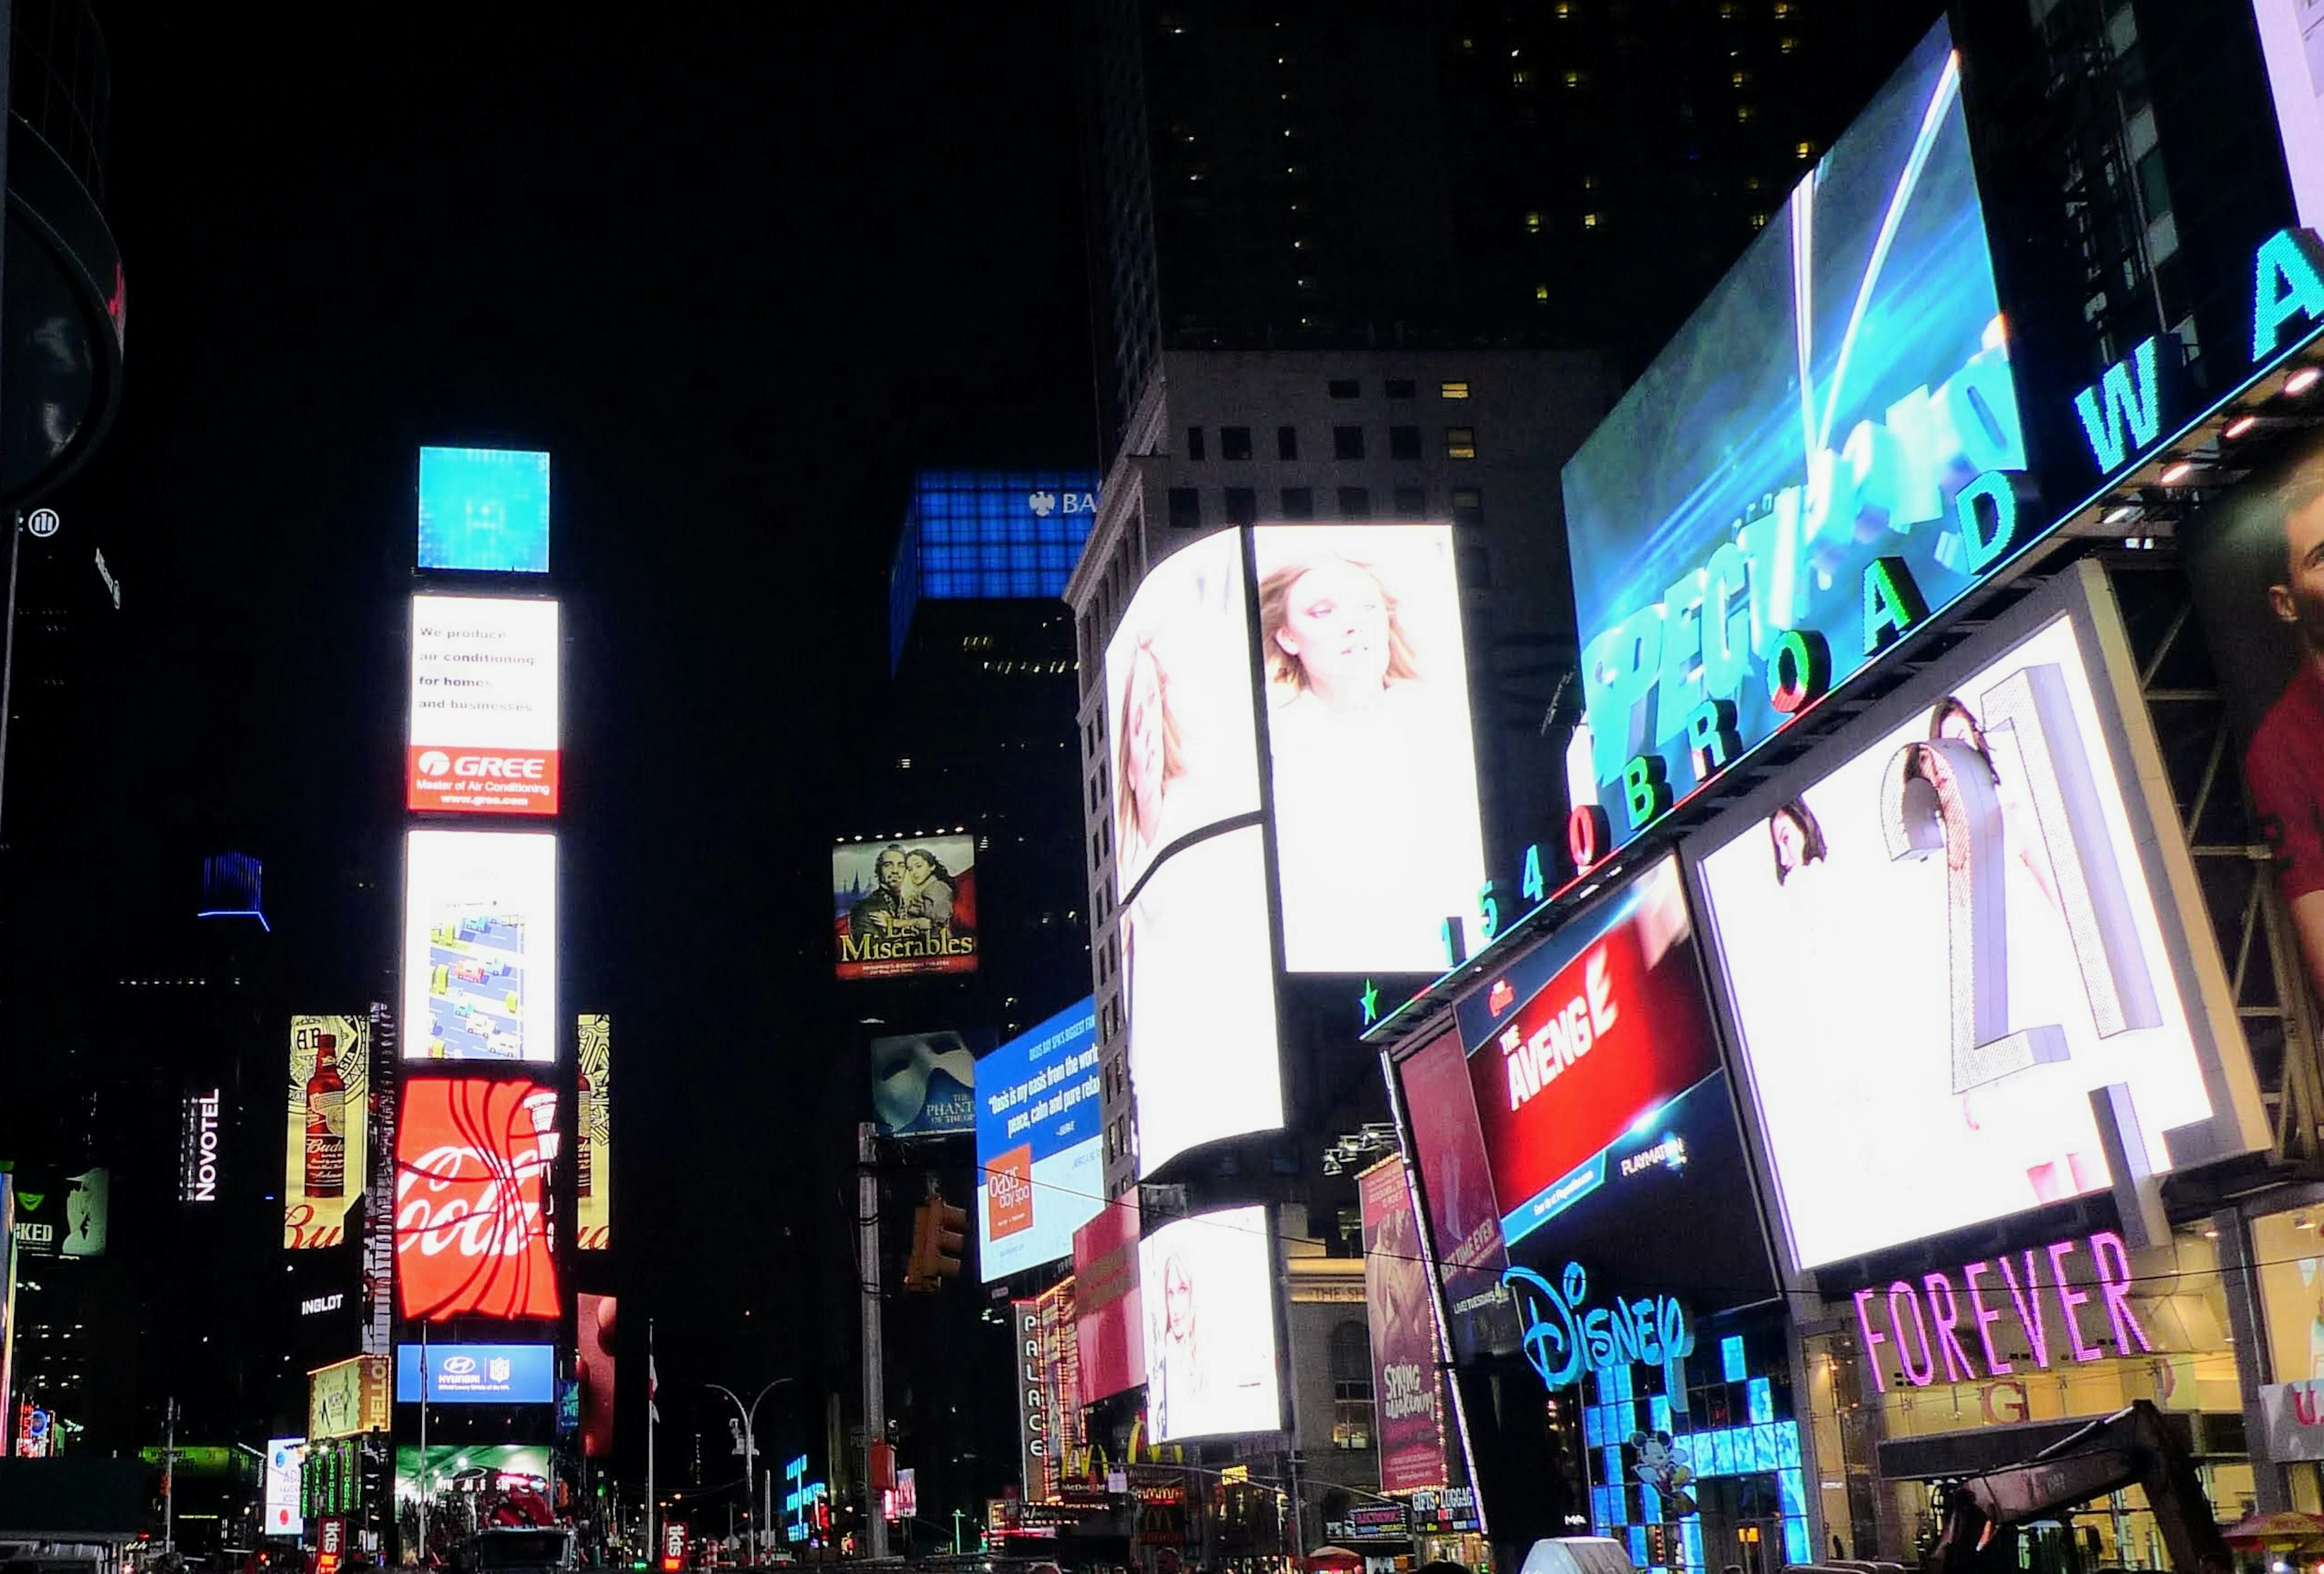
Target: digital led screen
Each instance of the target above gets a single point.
(483, 509)
(475, 1374)
(2256, 565)
(1039, 1159)
(480, 945)
(1110, 1326)
(482, 735)
(924, 1084)
(1601, 1114)
(347, 1397)
(1774, 501)
(1211, 1367)
(280, 1498)
(60, 1215)
(510, 1463)
(1374, 769)
(327, 1134)
(472, 1165)
(596, 1322)
(594, 1142)
(905, 906)
(1967, 889)
(1178, 706)
(2292, 42)
(1198, 982)
(1408, 1393)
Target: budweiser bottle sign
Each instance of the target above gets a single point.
(472, 1159)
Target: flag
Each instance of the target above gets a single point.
(653, 1386)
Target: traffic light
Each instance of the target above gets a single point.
(939, 1235)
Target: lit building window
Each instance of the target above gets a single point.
(1564, 10)
(1786, 44)
(1460, 442)
(1541, 291)
(1746, 112)
(1758, 221)
(1741, 79)
(1532, 223)
(1574, 79)
(1520, 78)
(1588, 221)
(1806, 150)
(1453, 391)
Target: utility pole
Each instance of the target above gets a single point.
(170, 1478)
(427, 1476)
(875, 1394)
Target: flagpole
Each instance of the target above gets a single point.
(653, 1414)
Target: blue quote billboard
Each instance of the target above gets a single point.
(477, 1374)
(1818, 461)
(1040, 1175)
(483, 509)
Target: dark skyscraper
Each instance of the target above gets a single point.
(1392, 174)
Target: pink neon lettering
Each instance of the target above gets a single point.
(2114, 1283)
(2030, 1316)
(1985, 1320)
(1947, 1313)
(1864, 1321)
(1923, 1374)
(2070, 1298)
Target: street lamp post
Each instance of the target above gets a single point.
(750, 1454)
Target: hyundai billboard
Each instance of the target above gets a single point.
(450, 1374)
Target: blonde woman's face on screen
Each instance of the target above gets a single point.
(1335, 626)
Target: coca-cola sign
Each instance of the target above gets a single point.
(472, 1161)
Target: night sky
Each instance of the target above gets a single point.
(739, 273)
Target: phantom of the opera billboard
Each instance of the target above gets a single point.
(904, 905)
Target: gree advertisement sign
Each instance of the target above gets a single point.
(327, 1130)
(482, 737)
(475, 1374)
(1786, 490)
(348, 1398)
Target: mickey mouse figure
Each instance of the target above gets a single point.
(1655, 1463)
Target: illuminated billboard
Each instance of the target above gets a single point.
(484, 509)
(1039, 1159)
(594, 1142)
(523, 1465)
(453, 1373)
(1971, 877)
(1374, 770)
(347, 1397)
(1787, 490)
(1456, 1183)
(596, 1320)
(923, 1083)
(202, 1112)
(60, 1215)
(1406, 1386)
(480, 945)
(1178, 706)
(2256, 565)
(472, 1163)
(327, 1130)
(1198, 984)
(2291, 41)
(1211, 1367)
(1109, 1324)
(905, 906)
(281, 1505)
(483, 733)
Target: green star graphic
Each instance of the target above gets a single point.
(1370, 999)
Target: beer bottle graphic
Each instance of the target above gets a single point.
(587, 1162)
(326, 1122)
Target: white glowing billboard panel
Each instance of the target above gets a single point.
(1198, 982)
(1208, 1291)
(482, 737)
(1374, 769)
(480, 945)
(1947, 941)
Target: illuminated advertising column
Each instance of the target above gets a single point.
(479, 1024)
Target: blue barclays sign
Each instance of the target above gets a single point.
(1564, 1337)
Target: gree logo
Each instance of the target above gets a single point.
(434, 762)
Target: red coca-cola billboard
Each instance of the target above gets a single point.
(472, 1161)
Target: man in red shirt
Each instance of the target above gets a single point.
(2286, 763)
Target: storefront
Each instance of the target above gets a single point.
(1982, 1364)
(1445, 1529)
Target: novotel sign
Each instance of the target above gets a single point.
(198, 1180)
(2010, 1312)
(1725, 633)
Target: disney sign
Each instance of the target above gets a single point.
(1563, 1338)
